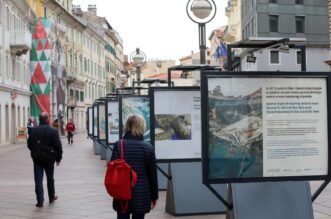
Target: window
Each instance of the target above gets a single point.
(300, 24)
(81, 96)
(274, 57)
(273, 1)
(299, 57)
(299, 2)
(273, 23)
(76, 94)
(71, 92)
(7, 17)
(208, 53)
(45, 12)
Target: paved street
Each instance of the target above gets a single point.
(79, 184)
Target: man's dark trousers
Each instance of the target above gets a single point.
(38, 178)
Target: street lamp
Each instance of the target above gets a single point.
(201, 12)
(138, 59)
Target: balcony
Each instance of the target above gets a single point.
(20, 42)
(72, 102)
(71, 75)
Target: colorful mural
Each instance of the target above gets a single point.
(59, 86)
(40, 67)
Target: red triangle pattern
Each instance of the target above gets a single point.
(47, 45)
(39, 46)
(39, 31)
(38, 76)
(44, 103)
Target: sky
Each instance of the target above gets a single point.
(160, 28)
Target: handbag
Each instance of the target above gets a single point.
(120, 178)
(43, 153)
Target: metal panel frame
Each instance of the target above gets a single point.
(205, 119)
(152, 91)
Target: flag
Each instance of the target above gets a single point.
(223, 50)
(217, 53)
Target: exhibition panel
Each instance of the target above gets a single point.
(112, 121)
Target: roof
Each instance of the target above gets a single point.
(165, 75)
(257, 42)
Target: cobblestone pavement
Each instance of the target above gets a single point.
(79, 184)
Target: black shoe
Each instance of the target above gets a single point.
(53, 199)
(39, 205)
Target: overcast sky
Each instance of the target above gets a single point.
(160, 28)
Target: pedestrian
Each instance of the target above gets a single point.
(49, 137)
(29, 125)
(141, 157)
(70, 127)
(56, 125)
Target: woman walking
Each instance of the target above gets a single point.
(141, 157)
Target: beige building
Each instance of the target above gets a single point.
(233, 31)
(111, 51)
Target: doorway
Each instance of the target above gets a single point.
(13, 123)
(7, 124)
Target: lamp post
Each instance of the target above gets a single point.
(201, 12)
(138, 59)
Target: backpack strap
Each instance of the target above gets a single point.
(122, 149)
(134, 176)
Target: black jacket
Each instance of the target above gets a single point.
(141, 157)
(49, 136)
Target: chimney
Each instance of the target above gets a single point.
(76, 9)
(92, 9)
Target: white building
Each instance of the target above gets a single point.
(15, 43)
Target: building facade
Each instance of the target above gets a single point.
(86, 58)
(15, 44)
(278, 19)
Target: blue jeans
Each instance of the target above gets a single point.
(127, 216)
(38, 179)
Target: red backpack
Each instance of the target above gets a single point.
(119, 179)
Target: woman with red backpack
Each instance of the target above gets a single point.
(140, 156)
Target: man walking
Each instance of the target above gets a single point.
(41, 138)
(70, 127)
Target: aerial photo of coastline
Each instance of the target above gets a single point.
(235, 134)
(140, 106)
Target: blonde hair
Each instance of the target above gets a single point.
(135, 125)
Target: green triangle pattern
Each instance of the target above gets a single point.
(48, 88)
(43, 42)
(33, 55)
(35, 89)
(33, 25)
(34, 44)
(46, 22)
(43, 57)
(35, 109)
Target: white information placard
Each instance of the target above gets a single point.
(267, 127)
(90, 121)
(177, 122)
(95, 120)
(113, 121)
(102, 121)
